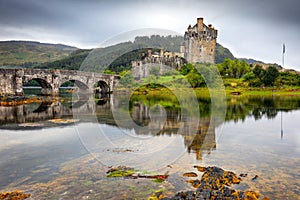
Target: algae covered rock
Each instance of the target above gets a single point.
(14, 195)
(215, 183)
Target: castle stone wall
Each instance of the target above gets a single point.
(200, 43)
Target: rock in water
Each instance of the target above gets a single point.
(14, 195)
(190, 174)
(215, 183)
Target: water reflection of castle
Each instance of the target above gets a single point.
(199, 139)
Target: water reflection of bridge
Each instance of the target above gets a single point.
(198, 138)
(46, 110)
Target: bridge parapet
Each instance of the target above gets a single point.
(12, 80)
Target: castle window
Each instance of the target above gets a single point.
(200, 48)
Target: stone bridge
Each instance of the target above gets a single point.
(12, 81)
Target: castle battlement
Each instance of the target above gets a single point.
(200, 43)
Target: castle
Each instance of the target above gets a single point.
(200, 43)
(153, 59)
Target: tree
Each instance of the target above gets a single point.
(233, 68)
(195, 79)
(185, 69)
(126, 78)
(107, 71)
(288, 78)
(243, 69)
(249, 76)
(270, 76)
(259, 72)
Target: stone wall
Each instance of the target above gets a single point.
(159, 62)
(12, 80)
(200, 43)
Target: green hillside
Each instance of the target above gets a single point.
(112, 56)
(223, 53)
(27, 53)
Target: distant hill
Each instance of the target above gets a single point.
(250, 60)
(223, 53)
(253, 62)
(27, 53)
(106, 55)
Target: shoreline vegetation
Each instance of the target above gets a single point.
(232, 77)
(163, 92)
(205, 92)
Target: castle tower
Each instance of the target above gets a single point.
(200, 43)
(200, 24)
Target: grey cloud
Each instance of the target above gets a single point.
(24, 12)
(90, 22)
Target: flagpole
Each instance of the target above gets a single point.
(282, 60)
(281, 126)
(283, 52)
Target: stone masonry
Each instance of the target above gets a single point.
(12, 81)
(162, 60)
(200, 43)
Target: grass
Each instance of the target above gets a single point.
(264, 91)
(233, 85)
(204, 92)
(163, 86)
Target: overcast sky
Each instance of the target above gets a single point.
(250, 29)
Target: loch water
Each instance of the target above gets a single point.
(62, 149)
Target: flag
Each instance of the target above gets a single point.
(283, 48)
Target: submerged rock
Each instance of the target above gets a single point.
(215, 183)
(190, 174)
(243, 175)
(128, 172)
(254, 178)
(14, 195)
(120, 171)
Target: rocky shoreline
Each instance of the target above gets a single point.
(20, 100)
(14, 195)
(214, 184)
(17, 100)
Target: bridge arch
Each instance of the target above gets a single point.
(46, 88)
(80, 86)
(77, 83)
(102, 87)
(102, 90)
